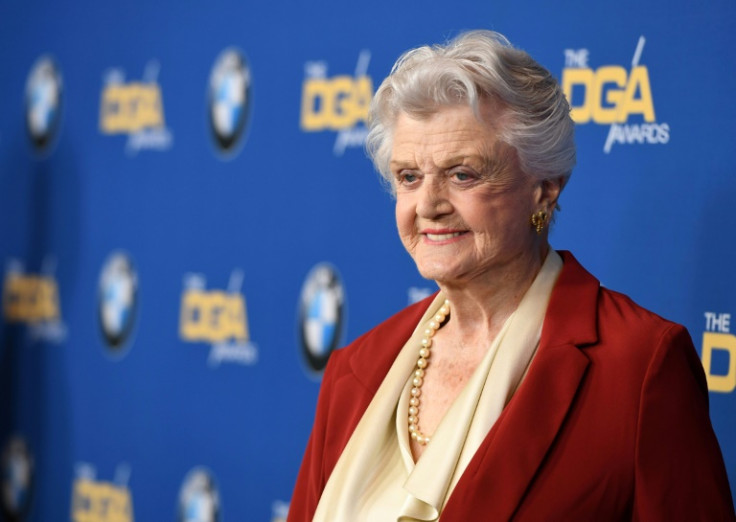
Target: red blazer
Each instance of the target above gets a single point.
(610, 423)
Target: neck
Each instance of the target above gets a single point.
(480, 306)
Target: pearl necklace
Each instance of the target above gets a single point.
(422, 363)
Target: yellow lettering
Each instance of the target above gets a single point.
(611, 74)
(643, 105)
(338, 103)
(213, 316)
(238, 323)
(189, 319)
(719, 341)
(131, 108)
(101, 502)
(315, 104)
(608, 95)
(584, 78)
(48, 300)
(30, 299)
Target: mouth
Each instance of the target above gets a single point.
(441, 236)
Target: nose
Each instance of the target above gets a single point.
(432, 200)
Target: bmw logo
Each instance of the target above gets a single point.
(229, 99)
(43, 103)
(321, 315)
(118, 292)
(199, 500)
(17, 479)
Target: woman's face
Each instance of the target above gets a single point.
(463, 205)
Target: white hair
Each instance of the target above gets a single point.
(474, 66)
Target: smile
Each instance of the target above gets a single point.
(443, 237)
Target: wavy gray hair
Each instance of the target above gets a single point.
(473, 66)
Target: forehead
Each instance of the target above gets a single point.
(450, 132)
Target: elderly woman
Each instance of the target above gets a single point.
(522, 390)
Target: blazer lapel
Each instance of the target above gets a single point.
(509, 458)
(372, 354)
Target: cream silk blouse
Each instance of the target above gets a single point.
(376, 478)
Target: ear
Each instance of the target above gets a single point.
(549, 192)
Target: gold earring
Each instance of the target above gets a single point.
(539, 220)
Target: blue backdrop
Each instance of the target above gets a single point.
(189, 224)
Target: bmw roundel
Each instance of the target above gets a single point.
(43, 103)
(118, 291)
(16, 472)
(199, 500)
(229, 99)
(321, 315)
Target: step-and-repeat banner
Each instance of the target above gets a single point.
(189, 224)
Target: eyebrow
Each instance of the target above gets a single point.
(458, 159)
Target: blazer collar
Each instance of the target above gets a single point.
(572, 312)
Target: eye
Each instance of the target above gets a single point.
(406, 178)
(463, 176)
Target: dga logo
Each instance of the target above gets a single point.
(229, 99)
(321, 315)
(17, 479)
(611, 95)
(43, 103)
(199, 500)
(118, 291)
(33, 300)
(340, 103)
(219, 318)
(101, 501)
(136, 109)
(719, 352)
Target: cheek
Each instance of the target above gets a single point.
(406, 227)
(404, 216)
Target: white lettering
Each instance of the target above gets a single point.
(577, 58)
(715, 322)
(240, 353)
(150, 138)
(652, 133)
(50, 331)
(354, 137)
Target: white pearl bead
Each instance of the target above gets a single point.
(418, 379)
